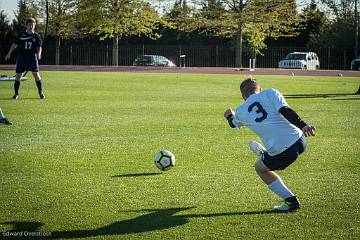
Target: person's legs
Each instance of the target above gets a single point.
(38, 84)
(19, 71)
(273, 180)
(266, 165)
(277, 186)
(17, 85)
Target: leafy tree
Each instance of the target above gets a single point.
(254, 20)
(6, 34)
(25, 10)
(180, 17)
(314, 20)
(340, 30)
(114, 19)
(340, 8)
(210, 10)
(61, 22)
(87, 14)
(185, 28)
(5, 29)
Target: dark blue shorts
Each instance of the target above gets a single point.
(284, 159)
(26, 64)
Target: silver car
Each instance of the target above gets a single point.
(153, 60)
(302, 60)
(355, 64)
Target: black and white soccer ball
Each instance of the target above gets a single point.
(164, 160)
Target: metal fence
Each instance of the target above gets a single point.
(196, 56)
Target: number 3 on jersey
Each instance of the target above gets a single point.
(259, 110)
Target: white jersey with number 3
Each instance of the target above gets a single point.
(260, 112)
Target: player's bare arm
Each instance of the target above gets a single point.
(38, 52)
(12, 48)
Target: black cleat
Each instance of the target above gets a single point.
(5, 121)
(291, 204)
(15, 97)
(42, 96)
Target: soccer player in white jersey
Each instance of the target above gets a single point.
(280, 129)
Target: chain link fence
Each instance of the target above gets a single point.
(100, 54)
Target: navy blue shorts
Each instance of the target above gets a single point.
(25, 64)
(284, 159)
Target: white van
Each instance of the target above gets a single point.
(302, 60)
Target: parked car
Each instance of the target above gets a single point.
(355, 64)
(302, 60)
(153, 60)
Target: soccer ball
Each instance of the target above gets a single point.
(164, 160)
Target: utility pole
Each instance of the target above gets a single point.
(356, 28)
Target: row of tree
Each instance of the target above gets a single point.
(246, 24)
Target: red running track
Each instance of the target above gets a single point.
(198, 70)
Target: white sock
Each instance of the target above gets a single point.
(280, 189)
(1, 114)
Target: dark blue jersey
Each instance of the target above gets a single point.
(27, 43)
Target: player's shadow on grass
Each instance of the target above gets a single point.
(157, 219)
(9, 98)
(353, 98)
(136, 175)
(320, 95)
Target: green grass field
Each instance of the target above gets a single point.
(80, 163)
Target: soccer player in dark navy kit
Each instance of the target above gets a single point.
(28, 56)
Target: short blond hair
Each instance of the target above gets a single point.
(248, 87)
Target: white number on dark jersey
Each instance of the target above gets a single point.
(28, 45)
